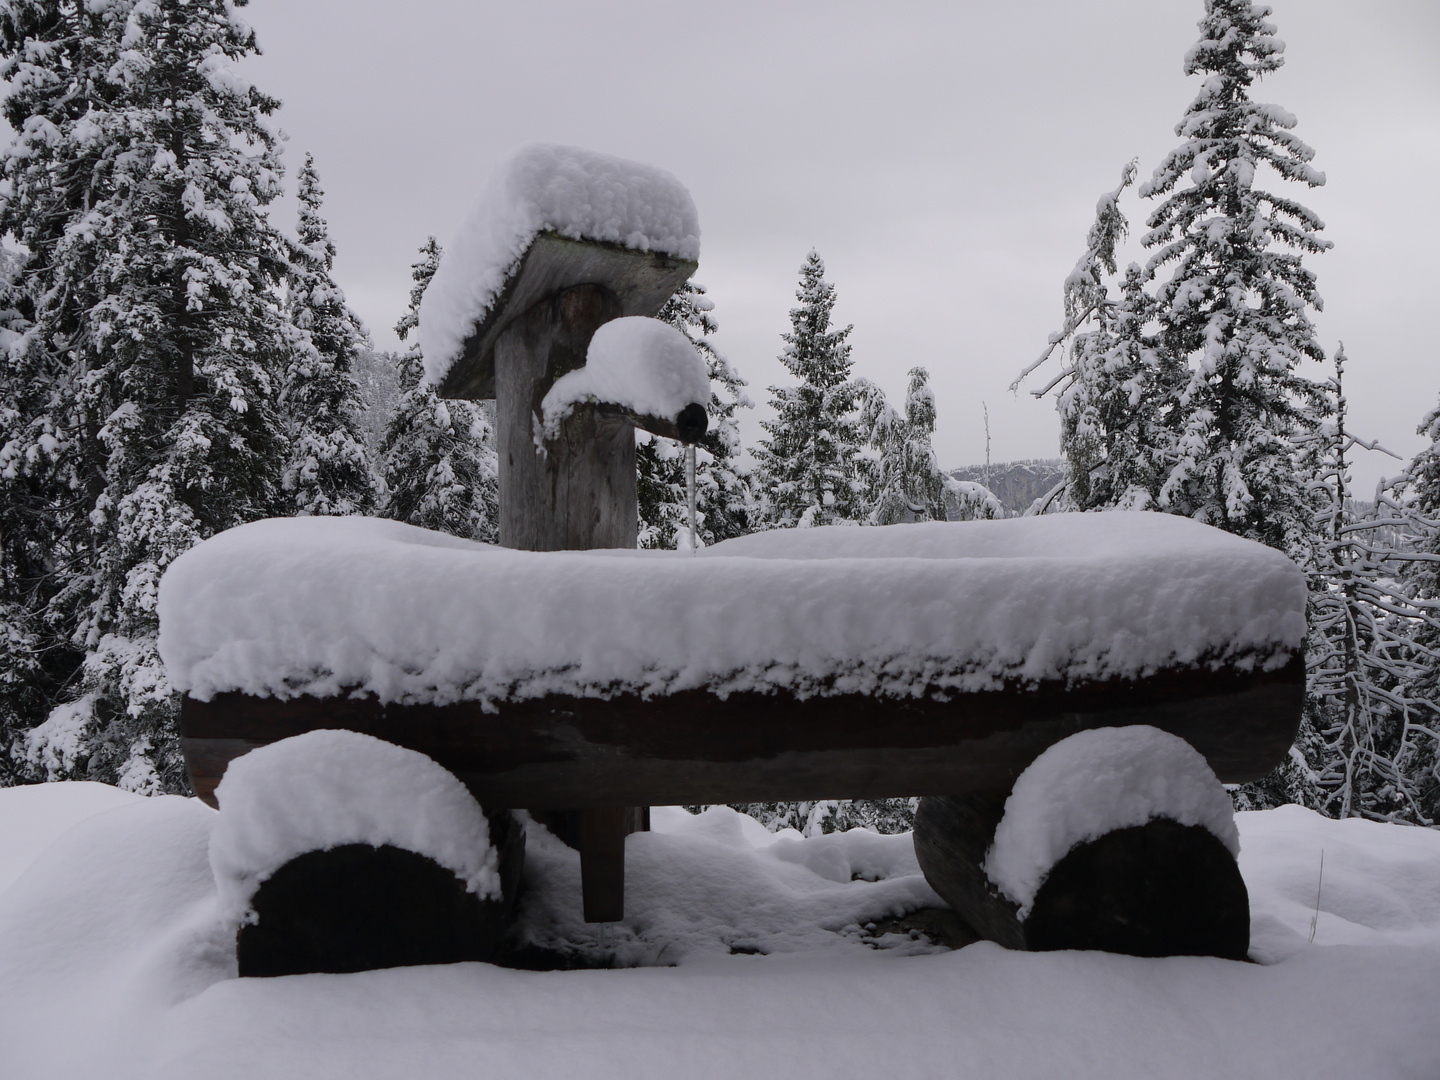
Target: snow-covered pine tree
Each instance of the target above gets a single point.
(1234, 308)
(328, 471)
(806, 470)
(1422, 495)
(23, 532)
(437, 459)
(884, 432)
(135, 188)
(723, 499)
(909, 485)
(377, 374)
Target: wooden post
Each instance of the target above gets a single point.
(602, 861)
(580, 492)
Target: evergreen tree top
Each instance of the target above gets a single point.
(1238, 43)
(1226, 137)
(421, 271)
(316, 247)
(815, 353)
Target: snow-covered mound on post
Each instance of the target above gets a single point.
(326, 606)
(1093, 783)
(576, 193)
(643, 365)
(323, 789)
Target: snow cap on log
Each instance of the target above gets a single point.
(642, 369)
(328, 606)
(324, 789)
(553, 217)
(1093, 783)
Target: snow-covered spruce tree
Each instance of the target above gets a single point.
(1421, 493)
(1112, 391)
(723, 500)
(135, 188)
(1234, 308)
(25, 533)
(909, 485)
(806, 469)
(328, 471)
(437, 459)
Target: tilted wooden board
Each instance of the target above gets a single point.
(695, 747)
(641, 280)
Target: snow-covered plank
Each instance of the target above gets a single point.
(551, 218)
(342, 606)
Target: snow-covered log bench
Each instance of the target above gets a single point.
(927, 659)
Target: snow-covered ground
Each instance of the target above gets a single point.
(752, 956)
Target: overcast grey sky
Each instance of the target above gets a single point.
(943, 158)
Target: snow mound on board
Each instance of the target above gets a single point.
(325, 789)
(644, 365)
(325, 606)
(1093, 783)
(543, 188)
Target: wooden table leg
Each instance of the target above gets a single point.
(602, 861)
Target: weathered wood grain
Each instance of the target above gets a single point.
(694, 746)
(580, 492)
(688, 427)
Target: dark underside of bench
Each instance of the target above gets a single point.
(695, 747)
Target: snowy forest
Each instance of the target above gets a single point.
(174, 362)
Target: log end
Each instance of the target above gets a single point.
(1158, 889)
(357, 907)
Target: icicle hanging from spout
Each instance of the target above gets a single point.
(690, 494)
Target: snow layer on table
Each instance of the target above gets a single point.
(576, 193)
(644, 365)
(1093, 783)
(330, 605)
(324, 789)
(113, 964)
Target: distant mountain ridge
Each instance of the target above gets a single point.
(1016, 484)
